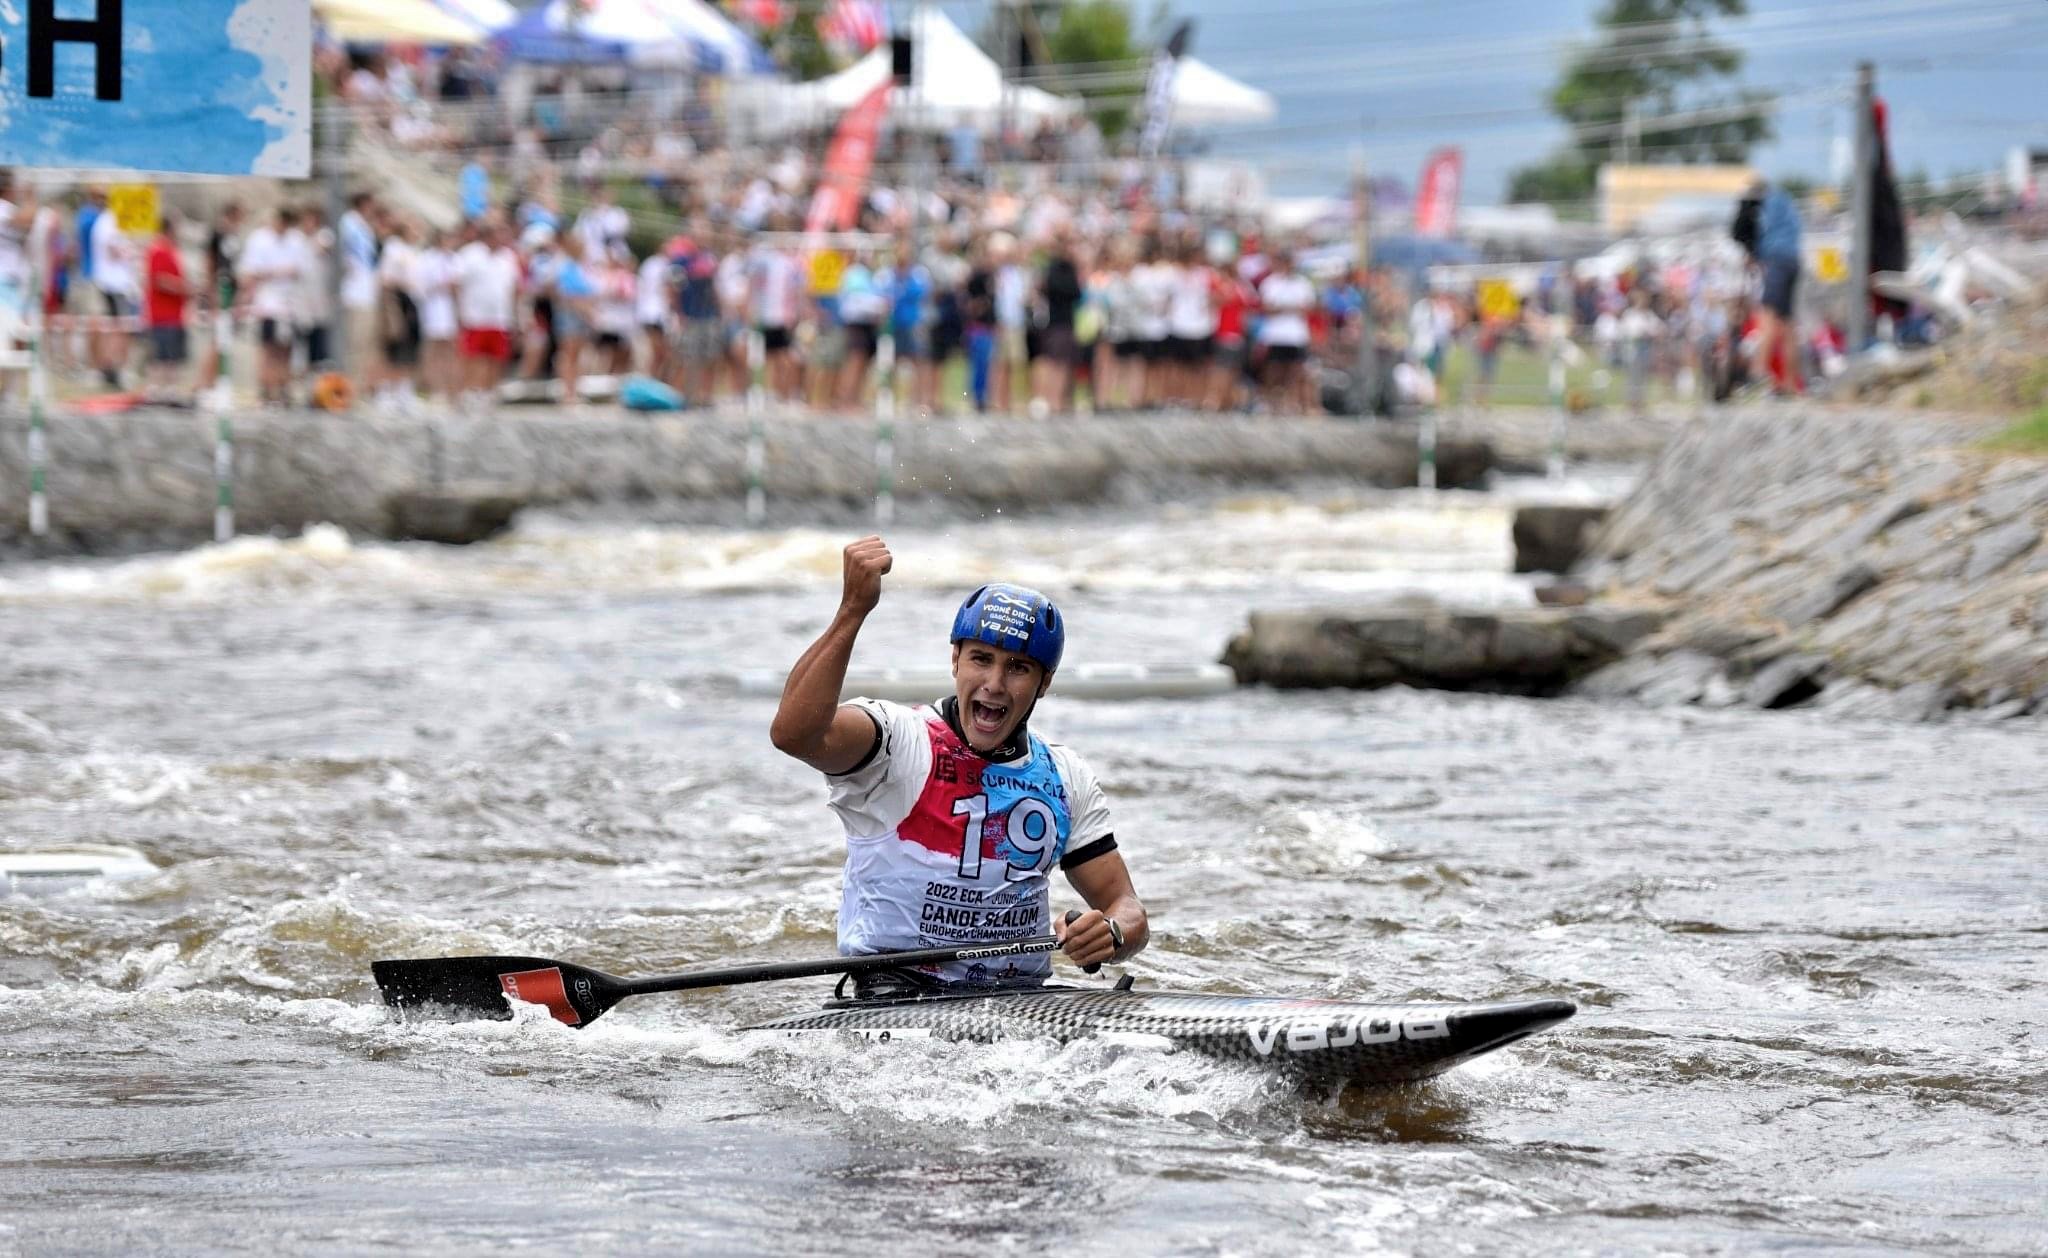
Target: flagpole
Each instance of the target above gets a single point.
(1368, 351)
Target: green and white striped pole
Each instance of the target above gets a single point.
(38, 443)
(757, 373)
(757, 464)
(757, 440)
(221, 401)
(1557, 415)
(223, 481)
(885, 378)
(224, 363)
(1425, 451)
(885, 473)
(885, 431)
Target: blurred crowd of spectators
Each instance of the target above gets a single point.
(605, 229)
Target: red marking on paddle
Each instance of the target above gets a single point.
(542, 987)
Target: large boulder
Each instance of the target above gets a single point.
(1538, 650)
(1553, 538)
(459, 515)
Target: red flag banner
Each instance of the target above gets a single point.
(1436, 204)
(836, 205)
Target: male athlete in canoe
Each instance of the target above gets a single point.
(956, 814)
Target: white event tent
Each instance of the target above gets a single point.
(958, 85)
(488, 16)
(1204, 96)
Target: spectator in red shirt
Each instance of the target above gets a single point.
(165, 294)
(1236, 303)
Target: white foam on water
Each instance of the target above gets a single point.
(947, 1084)
(321, 561)
(1391, 544)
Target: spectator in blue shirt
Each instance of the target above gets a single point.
(1768, 227)
(909, 286)
(700, 333)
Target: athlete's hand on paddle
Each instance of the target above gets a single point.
(1085, 937)
(867, 560)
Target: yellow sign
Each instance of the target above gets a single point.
(828, 267)
(1497, 299)
(134, 207)
(1829, 266)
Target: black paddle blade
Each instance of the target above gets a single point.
(479, 987)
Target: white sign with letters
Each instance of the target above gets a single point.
(201, 86)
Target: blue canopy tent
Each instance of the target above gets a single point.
(664, 33)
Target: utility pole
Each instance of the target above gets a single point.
(1006, 47)
(1860, 199)
(1368, 350)
(924, 169)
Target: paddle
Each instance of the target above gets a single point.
(478, 986)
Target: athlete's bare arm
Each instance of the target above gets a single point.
(811, 724)
(1106, 885)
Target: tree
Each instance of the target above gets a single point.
(1089, 42)
(801, 48)
(1633, 94)
(1096, 34)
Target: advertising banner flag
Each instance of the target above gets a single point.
(217, 87)
(1159, 91)
(1436, 203)
(836, 206)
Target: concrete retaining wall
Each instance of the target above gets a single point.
(148, 476)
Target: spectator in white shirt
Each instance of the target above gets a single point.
(1286, 296)
(433, 291)
(314, 317)
(775, 284)
(602, 226)
(652, 310)
(399, 316)
(114, 274)
(269, 270)
(487, 275)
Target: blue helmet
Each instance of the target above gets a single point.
(1015, 619)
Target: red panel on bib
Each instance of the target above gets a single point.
(955, 775)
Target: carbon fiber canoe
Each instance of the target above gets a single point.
(1333, 1041)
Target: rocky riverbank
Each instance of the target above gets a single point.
(1865, 561)
(147, 478)
(1879, 563)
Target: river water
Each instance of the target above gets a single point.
(1808, 953)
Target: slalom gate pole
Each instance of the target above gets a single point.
(885, 378)
(885, 431)
(757, 441)
(1425, 451)
(224, 480)
(885, 473)
(221, 401)
(38, 441)
(1557, 416)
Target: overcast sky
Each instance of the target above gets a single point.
(1966, 79)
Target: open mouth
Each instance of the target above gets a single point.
(987, 718)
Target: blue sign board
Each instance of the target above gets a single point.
(202, 86)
